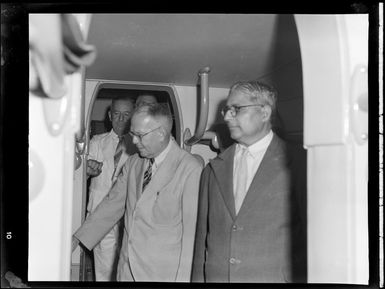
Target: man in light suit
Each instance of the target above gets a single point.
(157, 193)
(103, 167)
(250, 226)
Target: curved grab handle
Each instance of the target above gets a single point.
(79, 151)
(212, 136)
(204, 109)
(84, 21)
(87, 133)
(82, 139)
(80, 134)
(207, 135)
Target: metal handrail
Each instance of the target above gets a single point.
(204, 108)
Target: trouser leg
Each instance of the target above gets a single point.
(106, 254)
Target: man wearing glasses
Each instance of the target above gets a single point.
(157, 193)
(248, 216)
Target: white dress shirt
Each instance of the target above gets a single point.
(102, 149)
(254, 157)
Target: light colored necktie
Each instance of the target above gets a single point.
(241, 173)
(147, 174)
(118, 153)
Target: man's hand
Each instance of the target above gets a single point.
(75, 243)
(94, 168)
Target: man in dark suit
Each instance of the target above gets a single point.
(250, 227)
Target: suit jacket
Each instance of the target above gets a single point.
(263, 243)
(102, 149)
(159, 224)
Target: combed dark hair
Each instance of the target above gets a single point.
(157, 111)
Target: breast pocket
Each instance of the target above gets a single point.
(166, 210)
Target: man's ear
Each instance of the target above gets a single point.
(267, 111)
(109, 114)
(162, 131)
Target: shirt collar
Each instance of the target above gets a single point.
(256, 147)
(160, 158)
(115, 136)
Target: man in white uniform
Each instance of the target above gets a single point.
(107, 154)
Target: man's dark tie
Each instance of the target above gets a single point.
(118, 153)
(147, 174)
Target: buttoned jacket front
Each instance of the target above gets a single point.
(259, 243)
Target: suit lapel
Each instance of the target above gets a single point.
(270, 166)
(223, 171)
(165, 172)
(139, 172)
(129, 149)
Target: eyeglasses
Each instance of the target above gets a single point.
(235, 109)
(141, 136)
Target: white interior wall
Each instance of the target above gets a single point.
(334, 48)
(52, 126)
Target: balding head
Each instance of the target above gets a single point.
(159, 112)
(151, 129)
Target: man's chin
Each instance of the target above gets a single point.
(234, 135)
(120, 130)
(142, 154)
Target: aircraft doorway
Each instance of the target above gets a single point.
(98, 122)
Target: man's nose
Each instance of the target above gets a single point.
(227, 116)
(135, 139)
(121, 117)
